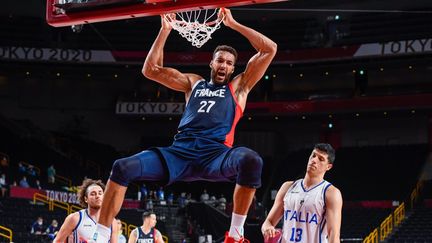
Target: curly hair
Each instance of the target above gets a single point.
(82, 191)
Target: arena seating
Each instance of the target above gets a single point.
(23, 141)
(416, 228)
(359, 222)
(20, 214)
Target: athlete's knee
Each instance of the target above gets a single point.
(125, 170)
(249, 168)
(250, 161)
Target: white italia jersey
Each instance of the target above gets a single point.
(85, 228)
(304, 213)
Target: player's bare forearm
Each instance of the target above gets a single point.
(259, 41)
(153, 67)
(257, 64)
(333, 228)
(154, 58)
(268, 228)
(66, 229)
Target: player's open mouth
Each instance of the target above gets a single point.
(220, 74)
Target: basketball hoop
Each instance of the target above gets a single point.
(196, 26)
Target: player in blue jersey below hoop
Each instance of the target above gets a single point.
(146, 233)
(202, 148)
(311, 208)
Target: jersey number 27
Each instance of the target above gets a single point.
(206, 106)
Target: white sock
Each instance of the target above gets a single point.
(236, 228)
(103, 234)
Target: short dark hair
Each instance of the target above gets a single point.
(147, 214)
(226, 48)
(325, 147)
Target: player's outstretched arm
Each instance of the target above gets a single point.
(333, 213)
(153, 66)
(268, 228)
(258, 64)
(67, 227)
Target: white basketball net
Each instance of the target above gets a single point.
(196, 26)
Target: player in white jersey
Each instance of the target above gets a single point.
(79, 227)
(311, 207)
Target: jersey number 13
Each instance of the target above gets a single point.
(296, 234)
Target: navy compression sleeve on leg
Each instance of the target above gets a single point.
(142, 166)
(249, 166)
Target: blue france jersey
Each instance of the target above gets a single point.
(212, 112)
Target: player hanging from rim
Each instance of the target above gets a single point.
(80, 226)
(202, 148)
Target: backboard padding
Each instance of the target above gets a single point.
(58, 18)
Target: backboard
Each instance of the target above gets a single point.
(76, 12)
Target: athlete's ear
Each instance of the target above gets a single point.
(329, 166)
